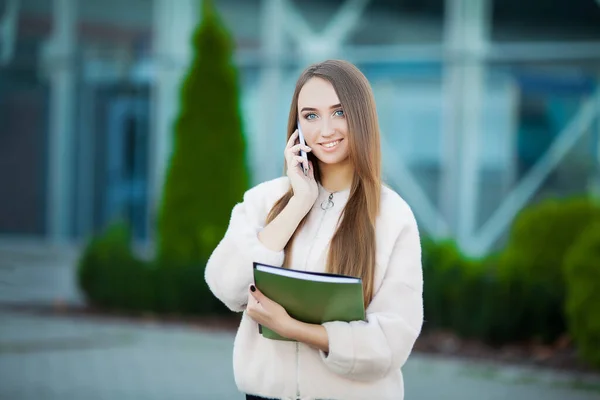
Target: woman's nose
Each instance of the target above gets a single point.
(326, 129)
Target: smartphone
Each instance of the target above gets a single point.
(302, 152)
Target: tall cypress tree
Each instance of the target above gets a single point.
(207, 173)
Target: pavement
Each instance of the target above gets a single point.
(65, 357)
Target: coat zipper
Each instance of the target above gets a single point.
(329, 201)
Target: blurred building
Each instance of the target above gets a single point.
(485, 105)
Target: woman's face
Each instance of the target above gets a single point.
(323, 121)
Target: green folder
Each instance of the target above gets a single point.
(310, 297)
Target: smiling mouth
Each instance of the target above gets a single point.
(331, 145)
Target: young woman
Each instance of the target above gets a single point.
(338, 219)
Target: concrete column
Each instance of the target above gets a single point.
(60, 54)
(268, 141)
(8, 31)
(450, 140)
(467, 25)
(174, 23)
(476, 33)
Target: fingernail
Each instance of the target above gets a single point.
(253, 288)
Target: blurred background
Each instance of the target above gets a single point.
(471, 95)
(489, 110)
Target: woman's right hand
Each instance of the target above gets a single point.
(305, 187)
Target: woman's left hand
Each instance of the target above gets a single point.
(267, 313)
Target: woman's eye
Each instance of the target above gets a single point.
(339, 113)
(310, 116)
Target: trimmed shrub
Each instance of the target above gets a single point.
(582, 308)
(182, 290)
(442, 271)
(110, 275)
(519, 293)
(469, 296)
(207, 174)
(510, 306)
(453, 289)
(112, 278)
(206, 177)
(532, 263)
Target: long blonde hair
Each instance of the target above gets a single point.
(352, 249)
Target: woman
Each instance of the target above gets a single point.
(338, 218)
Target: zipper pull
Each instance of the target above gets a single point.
(329, 204)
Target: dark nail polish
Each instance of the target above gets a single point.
(253, 288)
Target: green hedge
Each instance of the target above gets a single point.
(451, 282)
(514, 295)
(468, 297)
(113, 278)
(582, 272)
(539, 241)
(206, 177)
(110, 275)
(511, 306)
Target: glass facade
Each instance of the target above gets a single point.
(540, 69)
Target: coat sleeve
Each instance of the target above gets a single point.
(228, 271)
(369, 350)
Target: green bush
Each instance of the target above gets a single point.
(443, 271)
(542, 234)
(112, 278)
(207, 174)
(517, 294)
(182, 290)
(470, 298)
(532, 263)
(582, 273)
(511, 306)
(110, 275)
(453, 290)
(206, 177)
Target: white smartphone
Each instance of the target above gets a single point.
(302, 152)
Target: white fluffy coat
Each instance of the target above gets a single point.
(365, 358)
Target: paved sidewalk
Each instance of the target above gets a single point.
(52, 358)
(60, 358)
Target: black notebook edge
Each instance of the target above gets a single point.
(254, 265)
